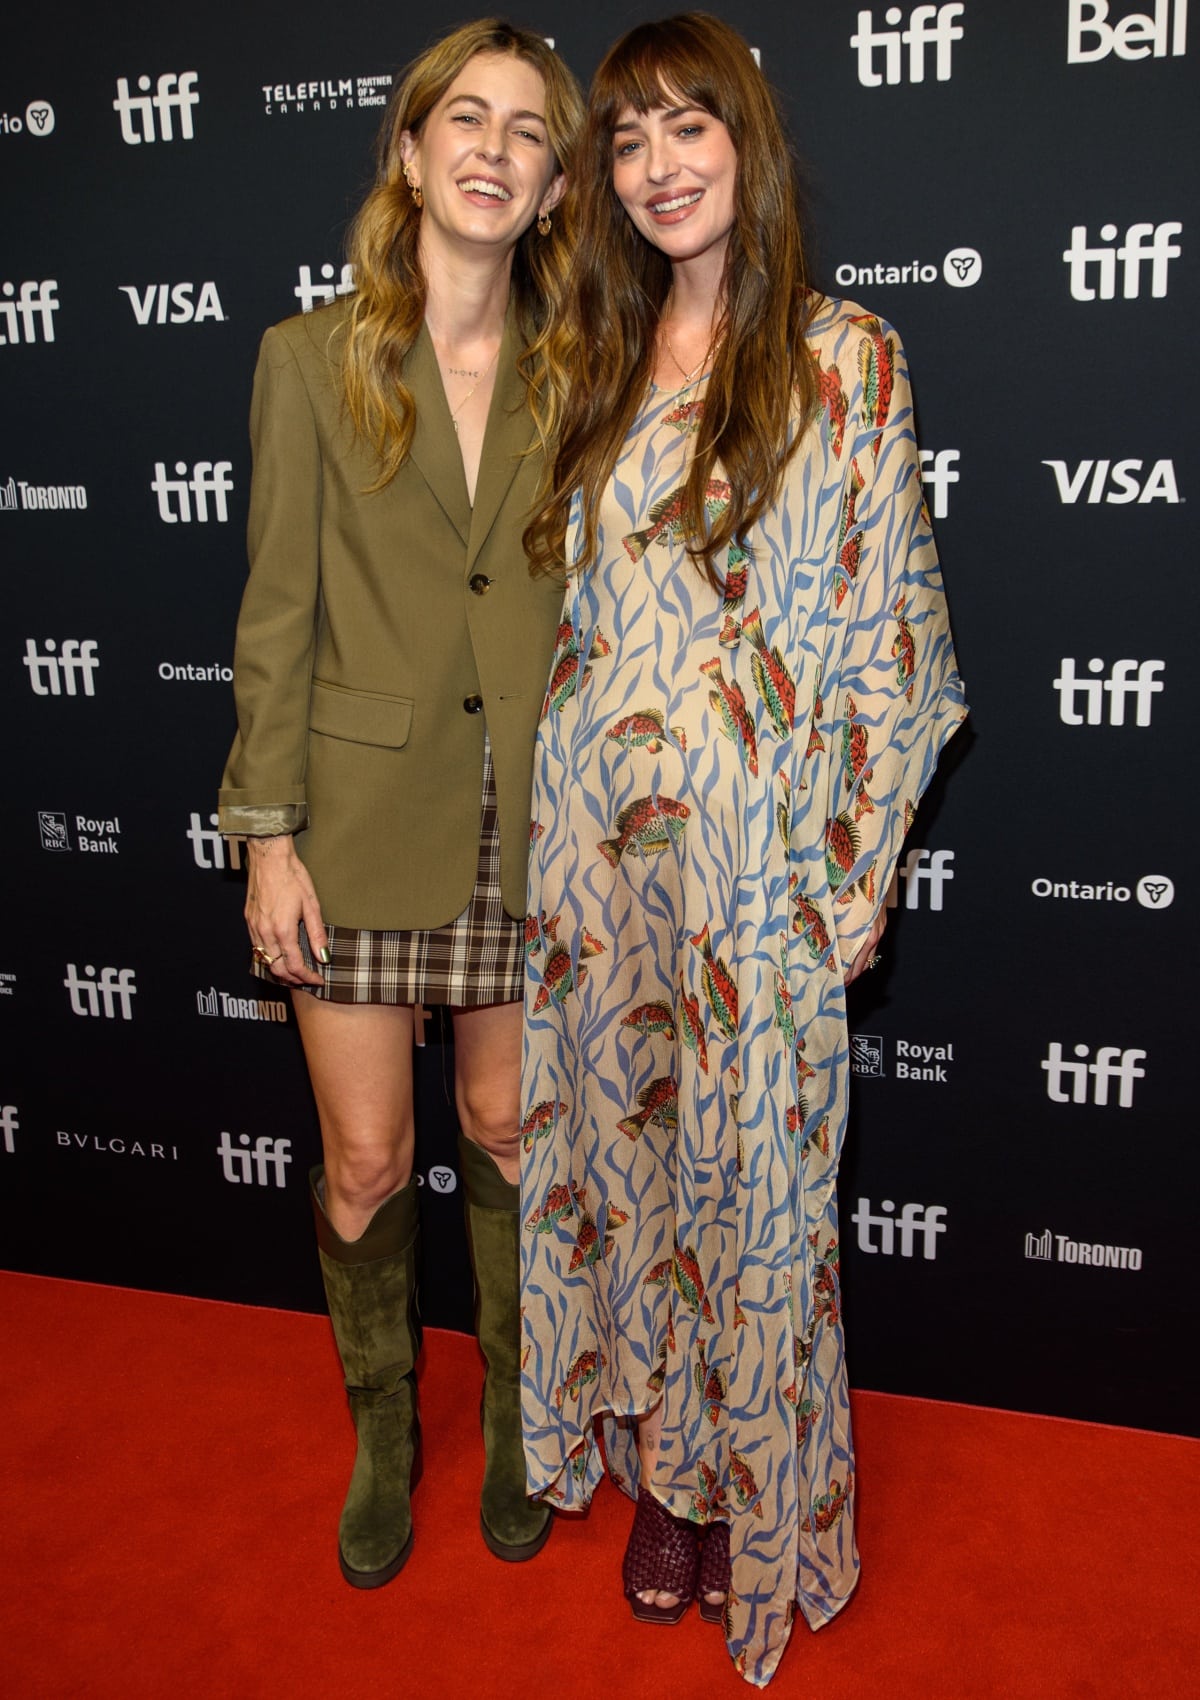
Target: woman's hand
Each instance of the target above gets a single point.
(864, 953)
(279, 895)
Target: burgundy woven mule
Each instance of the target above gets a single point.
(662, 1554)
(713, 1575)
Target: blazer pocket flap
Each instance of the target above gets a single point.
(359, 717)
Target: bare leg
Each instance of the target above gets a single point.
(487, 1081)
(649, 1433)
(360, 1063)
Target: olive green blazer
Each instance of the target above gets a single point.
(381, 634)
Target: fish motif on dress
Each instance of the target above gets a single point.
(650, 824)
(737, 579)
(904, 651)
(644, 729)
(849, 537)
(537, 927)
(815, 741)
(564, 667)
(783, 810)
(658, 1375)
(855, 753)
(807, 1412)
(666, 518)
(801, 1353)
(650, 1018)
(660, 1103)
(693, 1028)
(559, 976)
(563, 1199)
(589, 1246)
(834, 401)
(808, 921)
(582, 1371)
(745, 1488)
(712, 1385)
(689, 1284)
(709, 1496)
(720, 990)
(772, 679)
(828, 1507)
(877, 369)
(729, 704)
(686, 417)
(540, 1121)
(842, 846)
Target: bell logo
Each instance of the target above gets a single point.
(9, 1125)
(173, 92)
(931, 868)
(208, 477)
(938, 473)
(34, 308)
(1115, 482)
(208, 845)
(172, 304)
(310, 294)
(1143, 242)
(1111, 1063)
(1138, 35)
(927, 25)
(923, 1220)
(52, 675)
(90, 996)
(1126, 678)
(267, 1160)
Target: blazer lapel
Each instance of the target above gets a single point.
(507, 438)
(435, 451)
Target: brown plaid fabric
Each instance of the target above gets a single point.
(476, 959)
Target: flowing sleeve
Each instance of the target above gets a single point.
(895, 696)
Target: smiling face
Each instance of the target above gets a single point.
(675, 173)
(482, 158)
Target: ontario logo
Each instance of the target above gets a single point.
(961, 268)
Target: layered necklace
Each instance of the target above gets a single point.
(458, 371)
(689, 378)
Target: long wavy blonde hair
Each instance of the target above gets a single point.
(762, 373)
(388, 306)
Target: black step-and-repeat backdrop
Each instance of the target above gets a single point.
(1013, 185)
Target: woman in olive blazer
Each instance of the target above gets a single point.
(392, 657)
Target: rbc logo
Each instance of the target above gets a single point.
(1090, 36)
(1112, 1063)
(174, 92)
(34, 307)
(175, 296)
(938, 471)
(248, 1167)
(208, 478)
(1142, 242)
(923, 1219)
(114, 987)
(207, 836)
(936, 25)
(9, 1125)
(53, 675)
(1127, 678)
(310, 294)
(1119, 486)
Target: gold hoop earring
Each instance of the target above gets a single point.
(543, 224)
(414, 188)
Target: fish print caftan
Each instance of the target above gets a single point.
(722, 784)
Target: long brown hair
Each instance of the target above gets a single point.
(762, 373)
(389, 304)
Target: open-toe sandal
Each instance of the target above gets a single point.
(713, 1574)
(661, 1554)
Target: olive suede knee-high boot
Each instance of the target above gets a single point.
(371, 1287)
(514, 1526)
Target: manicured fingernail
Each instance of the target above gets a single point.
(325, 956)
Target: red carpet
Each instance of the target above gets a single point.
(172, 1473)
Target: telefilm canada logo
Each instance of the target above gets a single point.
(37, 120)
(1127, 680)
(147, 117)
(1114, 482)
(1092, 268)
(961, 268)
(224, 1004)
(326, 94)
(1159, 34)
(173, 303)
(923, 1222)
(893, 54)
(18, 493)
(27, 311)
(1049, 1247)
(312, 294)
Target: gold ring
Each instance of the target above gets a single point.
(874, 961)
(260, 955)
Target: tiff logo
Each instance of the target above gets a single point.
(310, 294)
(88, 995)
(938, 471)
(174, 92)
(9, 1125)
(252, 1167)
(935, 26)
(924, 1220)
(208, 843)
(1159, 486)
(1137, 36)
(33, 307)
(53, 675)
(171, 303)
(1112, 1063)
(208, 478)
(1128, 678)
(1142, 242)
(921, 867)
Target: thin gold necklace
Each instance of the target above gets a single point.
(455, 411)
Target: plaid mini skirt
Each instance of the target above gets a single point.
(478, 958)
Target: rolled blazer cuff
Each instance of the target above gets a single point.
(260, 820)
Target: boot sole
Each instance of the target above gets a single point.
(377, 1578)
(519, 1553)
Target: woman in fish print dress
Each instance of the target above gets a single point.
(391, 657)
(753, 679)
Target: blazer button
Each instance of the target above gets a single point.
(479, 583)
(472, 705)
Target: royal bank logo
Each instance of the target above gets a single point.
(259, 1164)
(1093, 270)
(1126, 679)
(41, 498)
(53, 830)
(38, 120)
(961, 268)
(223, 1004)
(173, 303)
(930, 1063)
(1138, 35)
(938, 472)
(312, 294)
(924, 872)
(109, 994)
(326, 94)
(27, 311)
(1116, 483)
(147, 117)
(866, 1055)
(9, 1128)
(1153, 891)
(185, 497)
(916, 1222)
(209, 848)
(906, 50)
(1049, 1247)
(67, 671)
(1081, 1081)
